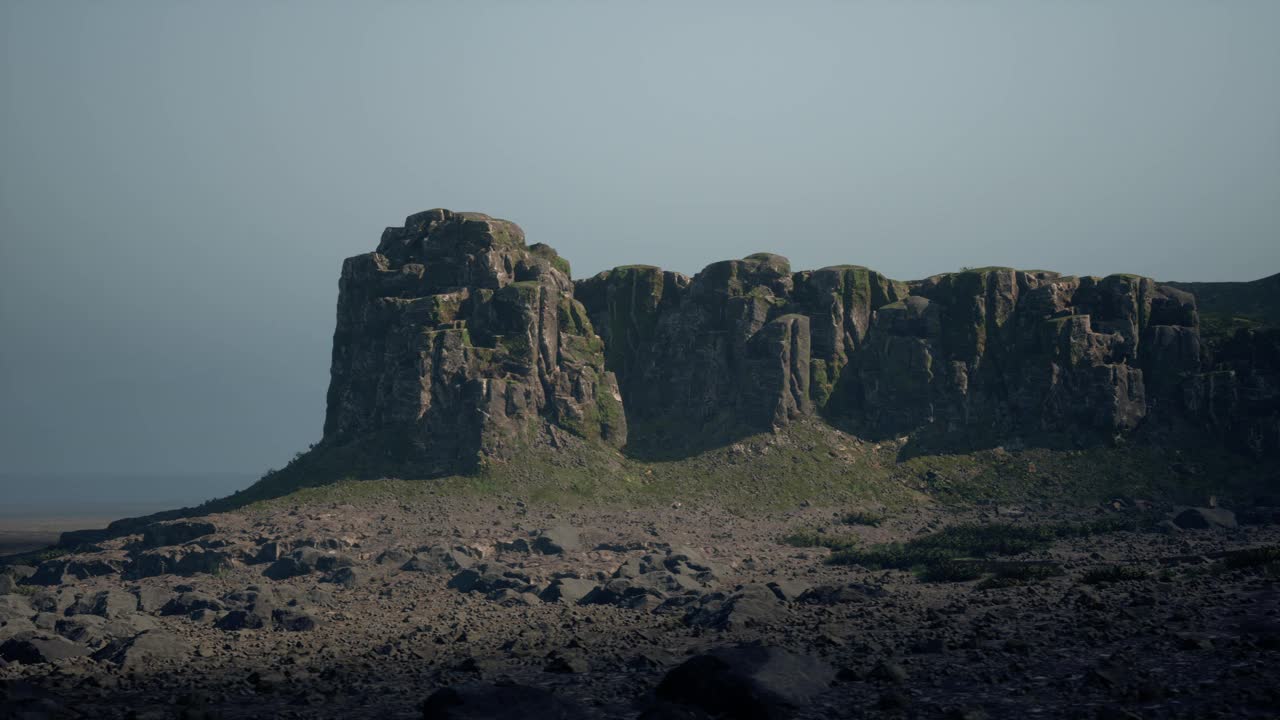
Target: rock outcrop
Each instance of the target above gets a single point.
(458, 344)
(993, 353)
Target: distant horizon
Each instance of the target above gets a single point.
(53, 493)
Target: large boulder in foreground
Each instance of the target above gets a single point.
(747, 682)
(499, 702)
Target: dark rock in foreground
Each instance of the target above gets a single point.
(748, 682)
(498, 702)
(1204, 518)
(35, 647)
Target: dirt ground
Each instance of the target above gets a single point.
(363, 611)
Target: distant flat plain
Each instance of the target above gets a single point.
(36, 507)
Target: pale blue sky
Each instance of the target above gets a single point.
(180, 181)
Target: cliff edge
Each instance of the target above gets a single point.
(458, 345)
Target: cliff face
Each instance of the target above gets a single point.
(457, 342)
(998, 351)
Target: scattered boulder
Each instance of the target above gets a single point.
(146, 648)
(18, 572)
(665, 582)
(251, 609)
(13, 607)
(188, 560)
(33, 648)
(789, 590)
(95, 630)
(566, 662)
(394, 556)
(189, 602)
(489, 577)
(519, 545)
(558, 540)
(499, 702)
(688, 560)
(90, 567)
(1205, 518)
(437, 560)
(567, 590)
(751, 682)
(16, 626)
(151, 599)
(306, 560)
(179, 532)
(752, 605)
(333, 561)
(509, 597)
(624, 593)
(257, 608)
(242, 620)
(294, 619)
(84, 629)
(347, 577)
(49, 573)
(636, 566)
(107, 604)
(54, 600)
(270, 552)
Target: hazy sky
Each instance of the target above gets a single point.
(179, 182)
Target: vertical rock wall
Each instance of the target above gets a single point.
(455, 341)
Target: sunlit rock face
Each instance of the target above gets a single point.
(455, 341)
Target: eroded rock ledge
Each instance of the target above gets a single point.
(457, 342)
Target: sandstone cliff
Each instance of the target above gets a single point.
(456, 343)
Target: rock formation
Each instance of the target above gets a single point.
(457, 343)
(990, 354)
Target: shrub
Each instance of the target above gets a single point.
(928, 554)
(863, 517)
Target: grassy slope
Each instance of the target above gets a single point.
(814, 462)
(1228, 306)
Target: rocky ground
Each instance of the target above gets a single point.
(494, 608)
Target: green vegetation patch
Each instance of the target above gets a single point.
(935, 557)
(869, 518)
